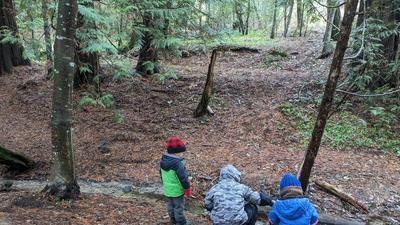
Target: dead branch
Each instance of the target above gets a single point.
(341, 195)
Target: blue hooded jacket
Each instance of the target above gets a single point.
(293, 211)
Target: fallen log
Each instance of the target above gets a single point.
(341, 195)
(14, 160)
(324, 219)
(236, 48)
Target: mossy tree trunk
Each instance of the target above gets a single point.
(300, 17)
(14, 160)
(11, 54)
(330, 88)
(87, 62)
(273, 28)
(63, 182)
(148, 56)
(203, 108)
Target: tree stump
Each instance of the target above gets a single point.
(203, 108)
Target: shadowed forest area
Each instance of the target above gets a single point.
(90, 90)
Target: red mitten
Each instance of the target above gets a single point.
(188, 192)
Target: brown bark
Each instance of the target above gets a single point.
(11, 54)
(202, 109)
(14, 160)
(330, 88)
(83, 59)
(63, 182)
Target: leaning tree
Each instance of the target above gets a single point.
(330, 89)
(11, 51)
(63, 182)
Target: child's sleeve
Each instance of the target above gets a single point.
(209, 199)
(183, 176)
(273, 217)
(251, 196)
(314, 216)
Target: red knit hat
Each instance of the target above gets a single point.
(175, 145)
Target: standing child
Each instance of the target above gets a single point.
(175, 180)
(292, 208)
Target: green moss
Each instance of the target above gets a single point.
(346, 129)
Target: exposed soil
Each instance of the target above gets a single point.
(247, 130)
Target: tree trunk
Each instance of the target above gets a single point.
(248, 17)
(14, 160)
(10, 54)
(336, 21)
(63, 182)
(330, 88)
(300, 21)
(47, 37)
(239, 15)
(273, 29)
(203, 108)
(288, 17)
(148, 56)
(88, 63)
(327, 46)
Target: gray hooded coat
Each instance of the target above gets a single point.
(226, 200)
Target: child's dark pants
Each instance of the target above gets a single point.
(176, 207)
(251, 211)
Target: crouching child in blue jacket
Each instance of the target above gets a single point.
(292, 208)
(175, 180)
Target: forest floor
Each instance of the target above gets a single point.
(248, 130)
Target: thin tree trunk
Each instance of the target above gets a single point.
(239, 15)
(327, 46)
(47, 37)
(330, 88)
(10, 54)
(203, 108)
(63, 182)
(300, 21)
(288, 17)
(89, 60)
(336, 21)
(273, 29)
(247, 17)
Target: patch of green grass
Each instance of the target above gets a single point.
(346, 129)
(253, 39)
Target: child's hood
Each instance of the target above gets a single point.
(292, 208)
(169, 161)
(229, 172)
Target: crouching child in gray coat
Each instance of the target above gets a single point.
(233, 203)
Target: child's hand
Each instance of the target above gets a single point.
(188, 192)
